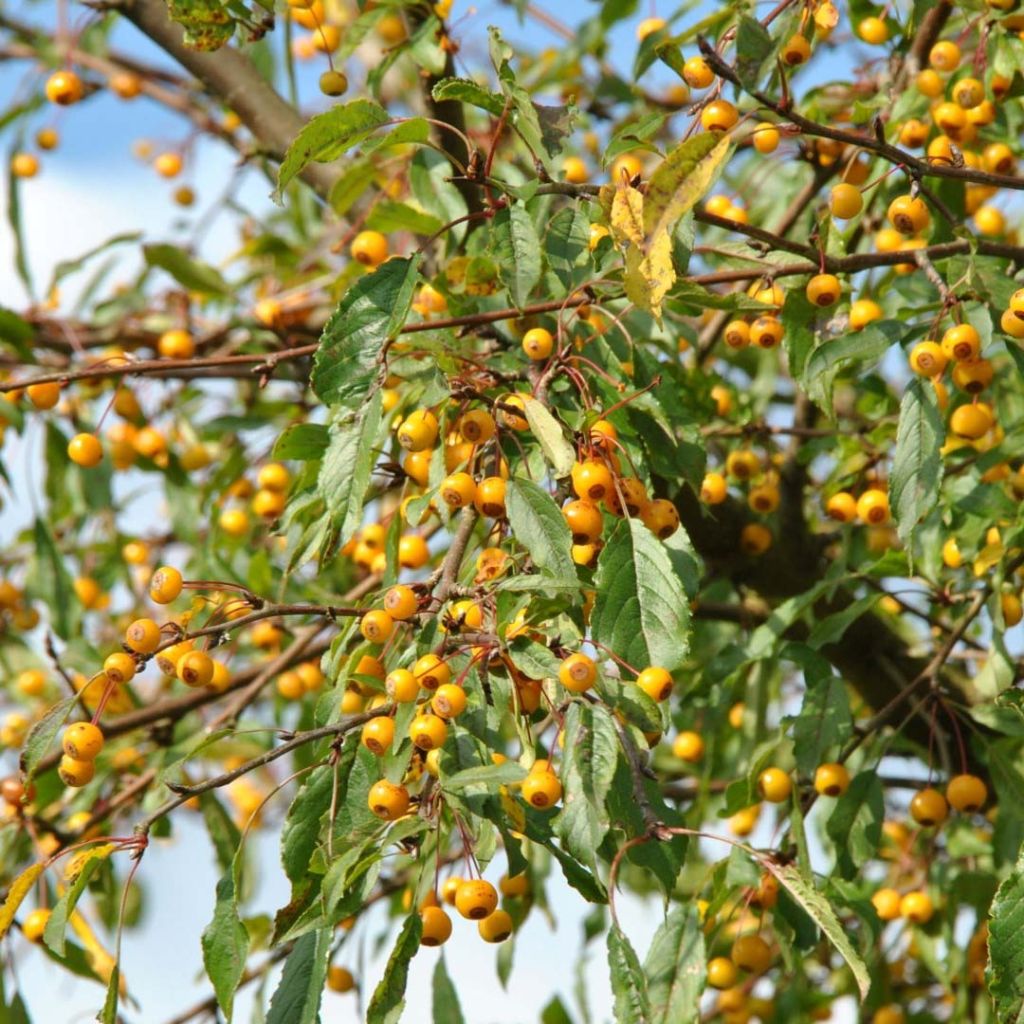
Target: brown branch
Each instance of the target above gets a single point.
(231, 76)
(264, 361)
(914, 165)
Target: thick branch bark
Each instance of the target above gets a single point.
(229, 74)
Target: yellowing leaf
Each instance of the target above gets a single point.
(99, 959)
(514, 809)
(19, 889)
(990, 555)
(642, 223)
(627, 217)
(680, 181)
(75, 863)
(650, 277)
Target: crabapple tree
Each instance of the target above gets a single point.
(597, 471)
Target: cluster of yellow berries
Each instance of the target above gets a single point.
(746, 468)
(475, 899)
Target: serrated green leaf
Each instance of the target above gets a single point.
(389, 216)
(1004, 975)
(389, 997)
(629, 985)
(588, 769)
(41, 736)
(108, 1015)
(675, 967)
(466, 91)
(225, 945)
(52, 581)
(753, 47)
(533, 659)
(304, 442)
(517, 251)
(297, 997)
(301, 830)
(829, 359)
(223, 831)
(325, 137)
(370, 314)
(550, 436)
(820, 910)
(917, 463)
(538, 525)
(855, 824)
(824, 723)
(641, 611)
(348, 465)
(445, 999)
(486, 777)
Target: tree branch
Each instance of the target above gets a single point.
(232, 77)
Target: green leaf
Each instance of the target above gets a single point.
(41, 736)
(550, 436)
(301, 830)
(855, 824)
(633, 135)
(446, 1000)
(1005, 973)
(641, 611)
(588, 768)
(465, 91)
(389, 216)
(554, 1012)
(753, 47)
(543, 129)
(538, 524)
(629, 985)
(567, 241)
(297, 997)
(370, 314)
(830, 629)
(429, 175)
(485, 777)
(917, 462)
(16, 332)
(517, 251)
(675, 967)
(14, 184)
(52, 581)
(108, 1015)
(305, 442)
(188, 272)
(207, 23)
(325, 137)
(389, 997)
(348, 465)
(223, 831)
(66, 267)
(533, 659)
(820, 910)
(225, 945)
(829, 359)
(90, 860)
(824, 722)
